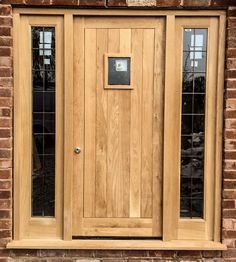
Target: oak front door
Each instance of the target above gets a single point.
(117, 128)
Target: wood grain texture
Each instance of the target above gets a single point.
(118, 175)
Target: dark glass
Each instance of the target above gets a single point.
(186, 166)
(49, 80)
(49, 123)
(198, 146)
(186, 186)
(197, 208)
(118, 71)
(38, 79)
(187, 122)
(199, 104)
(198, 124)
(199, 82)
(49, 101)
(186, 145)
(185, 204)
(38, 126)
(187, 62)
(187, 104)
(193, 122)
(43, 145)
(187, 82)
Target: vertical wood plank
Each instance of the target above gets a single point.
(210, 128)
(78, 132)
(147, 121)
(17, 126)
(158, 121)
(90, 122)
(219, 127)
(113, 164)
(68, 130)
(101, 127)
(171, 127)
(136, 123)
(124, 130)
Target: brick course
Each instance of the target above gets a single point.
(6, 146)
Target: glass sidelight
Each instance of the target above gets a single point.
(43, 118)
(193, 122)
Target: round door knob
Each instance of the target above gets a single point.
(77, 150)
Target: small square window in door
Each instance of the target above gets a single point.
(117, 71)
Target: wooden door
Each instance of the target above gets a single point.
(117, 179)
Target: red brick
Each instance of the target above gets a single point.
(38, 2)
(5, 10)
(5, 133)
(211, 254)
(190, 253)
(4, 112)
(92, 2)
(230, 93)
(65, 2)
(5, 21)
(231, 22)
(5, 72)
(230, 213)
(108, 253)
(5, 184)
(4, 214)
(229, 184)
(5, 143)
(5, 204)
(232, 13)
(229, 204)
(5, 233)
(5, 92)
(196, 3)
(230, 134)
(223, 3)
(6, 82)
(52, 253)
(5, 153)
(80, 253)
(230, 114)
(6, 61)
(117, 3)
(168, 3)
(135, 253)
(231, 53)
(5, 122)
(231, 73)
(229, 174)
(162, 254)
(5, 102)
(5, 163)
(229, 194)
(5, 41)
(5, 31)
(5, 224)
(231, 43)
(25, 253)
(231, 155)
(231, 63)
(229, 253)
(231, 83)
(5, 51)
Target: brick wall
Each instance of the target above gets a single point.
(6, 98)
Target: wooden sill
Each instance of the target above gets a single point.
(117, 244)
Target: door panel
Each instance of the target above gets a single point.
(117, 176)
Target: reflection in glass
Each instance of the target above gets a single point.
(193, 122)
(43, 144)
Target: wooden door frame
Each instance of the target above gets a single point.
(170, 215)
